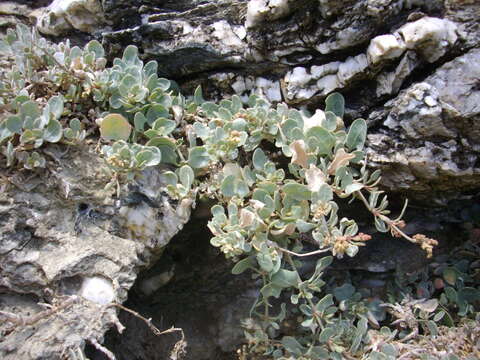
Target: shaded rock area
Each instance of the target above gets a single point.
(410, 67)
(202, 297)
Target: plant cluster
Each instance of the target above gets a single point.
(276, 173)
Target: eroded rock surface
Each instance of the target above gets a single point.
(430, 137)
(65, 242)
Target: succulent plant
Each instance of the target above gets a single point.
(276, 173)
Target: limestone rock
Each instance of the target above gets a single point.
(64, 242)
(385, 47)
(431, 144)
(64, 15)
(430, 36)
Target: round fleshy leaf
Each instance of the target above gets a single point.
(335, 103)
(56, 106)
(14, 124)
(95, 47)
(115, 127)
(53, 131)
(357, 135)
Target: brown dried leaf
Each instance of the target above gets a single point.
(299, 153)
(246, 218)
(315, 178)
(342, 158)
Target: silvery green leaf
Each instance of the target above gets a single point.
(217, 210)
(359, 157)
(296, 116)
(349, 189)
(140, 93)
(362, 327)
(198, 157)
(164, 84)
(297, 134)
(56, 106)
(10, 153)
(242, 189)
(186, 176)
(14, 124)
(243, 265)
(228, 187)
(232, 209)
(170, 178)
(390, 350)
(324, 139)
(297, 191)
(89, 58)
(271, 290)
(375, 175)
(380, 225)
(224, 114)
(469, 294)
(324, 303)
(156, 111)
(75, 125)
(278, 353)
(126, 84)
(351, 250)
(4, 47)
(326, 334)
(95, 47)
(53, 132)
(34, 160)
(227, 104)
(428, 306)
(150, 68)
(164, 126)
(439, 316)
(372, 201)
(29, 109)
(357, 135)
(330, 122)
(237, 104)
(265, 261)
(432, 327)
(322, 264)
(292, 345)
(286, 278)
(152, 83)
(239, 124)
(308, 322)
(351, 230)
(287, 128)
(130, 55)
(139, 121)
(150, 156)
(335, 103)
(304, 226)
(209, 108)
(259, 159)
(324, 194)
(167, 147)
(116, 101)
(198, 96)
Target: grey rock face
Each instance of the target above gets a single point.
(430, 140)
(67, 243)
